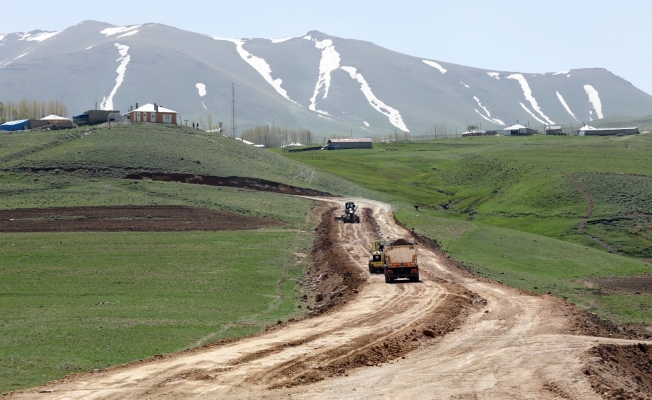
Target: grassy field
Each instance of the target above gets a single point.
(506, 207)
(77, 301)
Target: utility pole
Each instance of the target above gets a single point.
(233, 119)
(274, 133)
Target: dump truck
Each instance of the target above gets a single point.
(377, 260)
(401, 260)
(349, 213)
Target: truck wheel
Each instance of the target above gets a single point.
(414, 278)
(371, 269)
(387, 280)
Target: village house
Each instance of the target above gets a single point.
(153, 113)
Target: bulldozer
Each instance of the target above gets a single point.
(350, 215)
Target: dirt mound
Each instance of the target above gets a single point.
(400, 242)
(370, 222)
(129, 218)
(621, 372)
(334, 279)
(635, 284)
(231, 181)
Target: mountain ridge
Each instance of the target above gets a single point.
(326, 83)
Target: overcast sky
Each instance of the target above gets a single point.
(509, 35)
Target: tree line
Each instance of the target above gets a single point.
(31, 109)
(277, 136)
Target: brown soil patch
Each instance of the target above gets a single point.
(635, 284)
(129, 218)
(231, 181)
(370, 223)
(621, 372)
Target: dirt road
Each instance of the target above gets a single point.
(515, 346)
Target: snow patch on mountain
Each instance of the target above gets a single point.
(563, 103)
(391, 113)
(201, 88)
(130, 33)
(366, 123)
(107, 102)
(259, 65)
(527, 92)
(435, 65)
(2, 37)
(118, 29)
(530, 112)
(285, 39)
(39, 37)
(494, 120)
(202, 103)
(465, 84)
(594, 99)
(562, 72)
(330, 61)
(5, 63)
(495, 75)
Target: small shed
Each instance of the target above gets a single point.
(18, 125)
(517, 130)
(340, 144)
(553, 130)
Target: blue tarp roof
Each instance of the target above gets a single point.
(17, 122)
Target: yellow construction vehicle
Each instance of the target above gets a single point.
(377, 260)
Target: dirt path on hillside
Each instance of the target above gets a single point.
(590, 207)
(484, 340)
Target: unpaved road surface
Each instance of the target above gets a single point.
(514, 346)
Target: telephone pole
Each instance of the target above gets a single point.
(233, 119)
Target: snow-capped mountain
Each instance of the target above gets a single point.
(328, 84)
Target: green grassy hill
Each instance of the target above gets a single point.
(507, 207)
(146, 147)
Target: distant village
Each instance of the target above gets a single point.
(154, 113)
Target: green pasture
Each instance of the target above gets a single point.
(520, 183)
(77, 301)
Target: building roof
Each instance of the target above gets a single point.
(553, 127)
(17, 122)
(53, 117)
(515, 127)
(360, 140)
(590, 128)
(149, 107)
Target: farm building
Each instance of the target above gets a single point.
(153, 113)
(60, 122)
(18, 125)
(518, 130)
(553, 130)
(93, 117)
(587, 130)
(339, 144)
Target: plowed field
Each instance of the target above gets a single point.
(131, 218)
